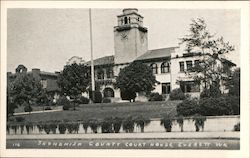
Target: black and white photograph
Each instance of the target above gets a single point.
(126, 78)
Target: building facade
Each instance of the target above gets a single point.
(131, 44)
(48, 80)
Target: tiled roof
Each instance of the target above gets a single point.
(107, 60)
(157, 53)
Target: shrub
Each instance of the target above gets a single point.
(72, 127)
(106, 100)
(48, 108)
(141, 122)
(53, 127)
(63, 101)
(234, 102)
(188, 107)
(180, 121)
(155, 97)
(27, 107)
(237, 127)
(85, 125)
(219, 106)
(66, 107)
(29, 126)
(46, 128)
(199, 121)
(83, 100)
(167, 123)
(93, 124)
(106, 125)
(128, 125)
(212, 92)
(117, 123)
(19, 119)
(177, 94)
(128, 95)
(40, 127)
(62, 128)
(98, 96)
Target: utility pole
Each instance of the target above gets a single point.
(92, 61)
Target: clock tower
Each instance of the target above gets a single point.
(131, 38)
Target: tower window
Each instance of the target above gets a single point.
(125, 20)
(154, 68)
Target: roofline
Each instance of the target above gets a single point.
(164, 48)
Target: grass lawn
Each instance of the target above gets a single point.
(100, 111)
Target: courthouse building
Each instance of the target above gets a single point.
(131, 44)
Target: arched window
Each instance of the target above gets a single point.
(100, 74)
(154, 68)
(125, 20)
(165, 67)
(108, 92)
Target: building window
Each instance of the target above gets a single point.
(129, 20)
(189, 65)
(181, 66)
(100, 74)
(165, 88)
(121, 21)
(196, 63)
(165, 67)
(44, 83)
(125, 20)
(154, 68)
(138, 19)
(110, 73)
(189, 86)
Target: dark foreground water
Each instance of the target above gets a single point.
(214, 144)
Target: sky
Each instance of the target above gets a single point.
(47, 38)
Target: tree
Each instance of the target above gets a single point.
(74, 80)
(23, 89)
(208, 71)
(136, 77)
(234, 83)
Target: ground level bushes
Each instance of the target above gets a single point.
(180, 121)
(128, 125)
(167, 122)
(188, 107)
(199, 122)
(83, 100)
(97, 96)
(117, 123)
(177, 94)
(155, 97)
(141, 122)
(225, 105)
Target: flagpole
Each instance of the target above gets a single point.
(92, 61)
